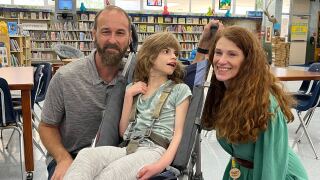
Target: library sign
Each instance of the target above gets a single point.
(299, 28)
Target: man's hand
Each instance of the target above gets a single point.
(148, 171)
(61, 169)
(206, 39)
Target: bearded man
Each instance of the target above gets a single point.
(81, 90)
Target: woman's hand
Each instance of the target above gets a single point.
(149, 170)
(207, 35)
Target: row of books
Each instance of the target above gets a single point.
(26, 15)
(40, 45)
(83, 46)
(171, 28)
(42, 55)
(61, 35)
(86, 46)
(161, 19)
(14, 46)
(184, 28)
(3, 54)
(188, 37)
(35, 15)
(188, 46)
(14, 60)
(192, 38)
(86, 17)
(70, 36)
(69, 26)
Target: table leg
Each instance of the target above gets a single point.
(27, 129)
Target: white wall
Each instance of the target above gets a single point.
(298, 48)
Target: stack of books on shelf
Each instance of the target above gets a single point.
(14, 60)
(41, 56)
(150, 19)
(40, 45)
(160, 19)
(159, 28)
(92, 16)
(136, 19)
(142, 28)
(188, 46)
(169, 20)
(85, 36)
(3, 54)
(84, 17)
(150, 28)
(14, 46)
(34, 26)
(85, 26)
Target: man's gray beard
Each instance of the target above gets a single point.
(111, 59)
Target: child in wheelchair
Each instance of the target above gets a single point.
(152, 120)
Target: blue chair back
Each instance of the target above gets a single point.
(304, 87)
(7, 113)
(315, 67)
(306, 102)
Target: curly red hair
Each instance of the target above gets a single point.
(241, 111)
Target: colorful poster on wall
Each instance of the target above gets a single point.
(299, 28)
(224, 4)
(154, 2)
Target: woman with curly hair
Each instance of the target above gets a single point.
(249, 109)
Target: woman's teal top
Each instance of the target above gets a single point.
(271, 155)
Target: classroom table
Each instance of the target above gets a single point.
(291, 74)
(21, 78)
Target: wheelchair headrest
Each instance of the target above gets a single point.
(134, 43)
(67, 51)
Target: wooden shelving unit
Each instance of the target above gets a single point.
(187, 28)
(20, 51)
(47, 32)
(5, 56)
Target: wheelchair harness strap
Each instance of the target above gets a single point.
(133, 138)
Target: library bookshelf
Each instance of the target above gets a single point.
(187, 28)
(21, 43)
(47, 32)
(20, 51)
